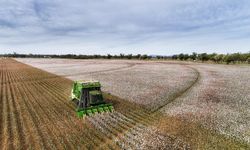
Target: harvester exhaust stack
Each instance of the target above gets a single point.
(88, 98)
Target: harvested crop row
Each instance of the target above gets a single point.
(43, 111)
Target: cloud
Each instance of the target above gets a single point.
(109, 26)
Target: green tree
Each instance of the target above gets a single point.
(121, 56)
(227, 58)
(212, 57)
(193, 56)
(175, 57)
(218, 58)
(138, 56)
(129, 56)
(248, 60)
(186, 56)
(203, 57)
(159, 57)
(144, 56)
(181, 56)
(109, 56)
(236, 57)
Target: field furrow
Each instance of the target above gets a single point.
(45, 114)
(1, 103)
(27, 122)
(37, 126)
(16, 118)
(7, 126)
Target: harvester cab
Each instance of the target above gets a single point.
(87, 96)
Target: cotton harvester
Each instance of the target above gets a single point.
(87, 96)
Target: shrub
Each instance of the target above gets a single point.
(248, 60)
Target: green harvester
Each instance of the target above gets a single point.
(87, 96)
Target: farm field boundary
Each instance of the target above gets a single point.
(34, 109)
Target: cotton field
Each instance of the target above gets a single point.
(173, 99)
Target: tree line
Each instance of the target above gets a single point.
(74, 56)
(214, 57)
(203, 57)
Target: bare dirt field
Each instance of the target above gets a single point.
(159, 105)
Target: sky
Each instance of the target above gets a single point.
(161, 27)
